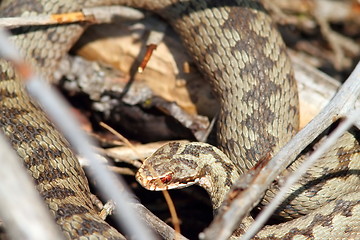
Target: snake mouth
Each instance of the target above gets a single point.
(165, 182)
(175, 184)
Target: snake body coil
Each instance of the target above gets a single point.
(238, 49)
(235, 46)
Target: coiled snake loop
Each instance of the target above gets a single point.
(237, 48)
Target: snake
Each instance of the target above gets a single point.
(236, 46)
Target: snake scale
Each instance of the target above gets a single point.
(237, 48)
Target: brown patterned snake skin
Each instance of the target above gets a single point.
(251, 74)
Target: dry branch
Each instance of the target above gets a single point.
(98, 14)
(300, 171)
(161, 228)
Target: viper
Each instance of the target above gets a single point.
(236, 46)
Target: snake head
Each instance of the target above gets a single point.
(177, 165)
(171, 167)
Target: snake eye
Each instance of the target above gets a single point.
(166, 179)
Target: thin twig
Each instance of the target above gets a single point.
(156, 36)
(107, 14)
(167, 197)
(327, 32)
(174, 217)
(227, 221)
(300, 171)
(121, 137)
(122, 171)
(125, 154)
(103, 14)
